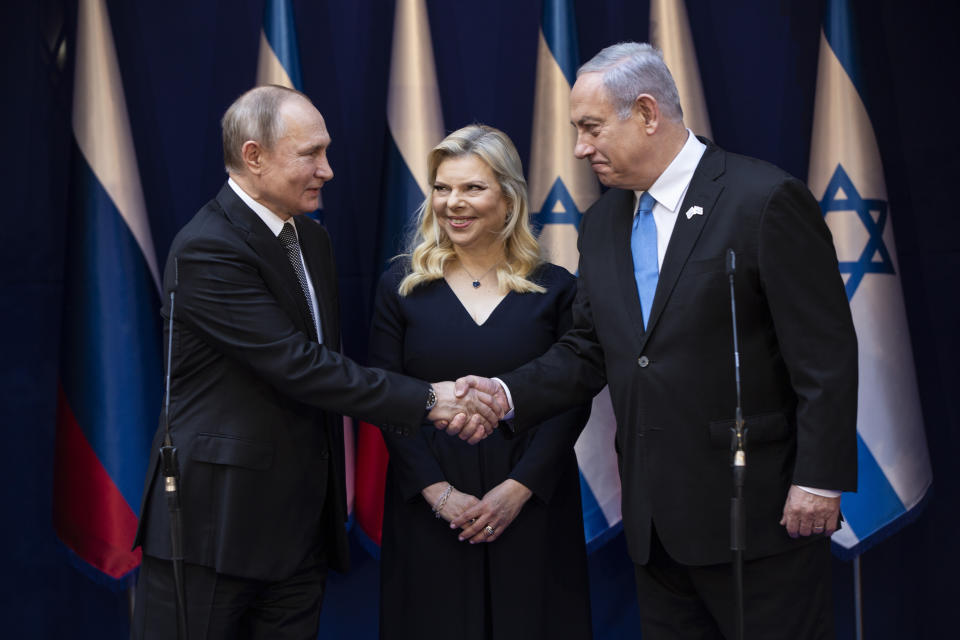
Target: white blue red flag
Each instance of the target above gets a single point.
(846, 175)
(110, 365)
(414, 127)
(561, 190)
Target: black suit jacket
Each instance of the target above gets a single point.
(254, 399)
(673, 386)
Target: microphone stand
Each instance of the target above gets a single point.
(738, 441)
(168, 462)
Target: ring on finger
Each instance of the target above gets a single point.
(488, 530)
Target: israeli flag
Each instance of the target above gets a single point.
(279, 58)
(561, 189)
(278, 61)
(846, 175)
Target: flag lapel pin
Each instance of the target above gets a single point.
(694, 211)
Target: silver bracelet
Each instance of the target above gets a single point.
(437, 508)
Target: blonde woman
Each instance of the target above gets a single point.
(473, 295)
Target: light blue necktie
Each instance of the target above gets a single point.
(643, 245)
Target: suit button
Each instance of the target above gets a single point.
(643, 361)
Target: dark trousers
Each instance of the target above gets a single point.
(227, 607)
(787, 596)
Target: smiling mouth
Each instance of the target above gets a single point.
(460, 223)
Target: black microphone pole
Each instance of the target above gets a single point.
(168, 462)
(738, 441)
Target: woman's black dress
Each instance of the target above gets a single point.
(530, 583)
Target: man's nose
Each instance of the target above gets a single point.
(324, 170)
(582, 149)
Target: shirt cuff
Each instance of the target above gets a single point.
(506, 391)
(826, 493)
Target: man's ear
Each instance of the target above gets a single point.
(646, 108)
(252, 154)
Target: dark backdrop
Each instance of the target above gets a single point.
(184, 61)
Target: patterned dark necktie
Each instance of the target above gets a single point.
(288, 238)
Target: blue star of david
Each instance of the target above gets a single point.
(568, 214)
(875, 258)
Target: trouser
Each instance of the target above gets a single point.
(227, 607)
(787, 595)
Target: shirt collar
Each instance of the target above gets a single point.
(669, 188)
(273, 221)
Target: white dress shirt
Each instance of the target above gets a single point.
(669, 191)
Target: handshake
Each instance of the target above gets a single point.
(469, 408)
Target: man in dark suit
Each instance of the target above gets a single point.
(257, 384)
(652, 319)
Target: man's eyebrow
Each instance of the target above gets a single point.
(586, 120)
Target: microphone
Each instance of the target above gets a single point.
(168, 453)
(170, 470)
(738, 437)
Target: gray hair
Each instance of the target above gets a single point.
(254, 116)
(631, 68)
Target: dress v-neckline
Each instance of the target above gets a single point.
(467, 311)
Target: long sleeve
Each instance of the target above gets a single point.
(574, 367)
(412, 463)
(223, 298)
(551, 443)
(814, 328)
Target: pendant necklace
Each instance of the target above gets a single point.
(476, 281)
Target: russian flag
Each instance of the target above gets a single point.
(414, 127)
(561, 189)
(110, 366)
(846, 174)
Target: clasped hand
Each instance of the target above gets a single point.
(469, 409)
(481, 520)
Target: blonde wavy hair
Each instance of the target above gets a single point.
(430, 249)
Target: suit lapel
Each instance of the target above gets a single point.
(277, 270)
(703, 192)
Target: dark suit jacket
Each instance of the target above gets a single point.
(254, 400)
(673, 386)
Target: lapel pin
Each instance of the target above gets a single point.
(694, 211)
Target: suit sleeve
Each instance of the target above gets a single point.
(223, 297)
(805, 293)
(570, 373)
(541, 466)
(413, 465)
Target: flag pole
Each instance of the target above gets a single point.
(857, 598)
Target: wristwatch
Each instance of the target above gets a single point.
(431, 399)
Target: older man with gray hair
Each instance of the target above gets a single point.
(257, 383)
(652, 319)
